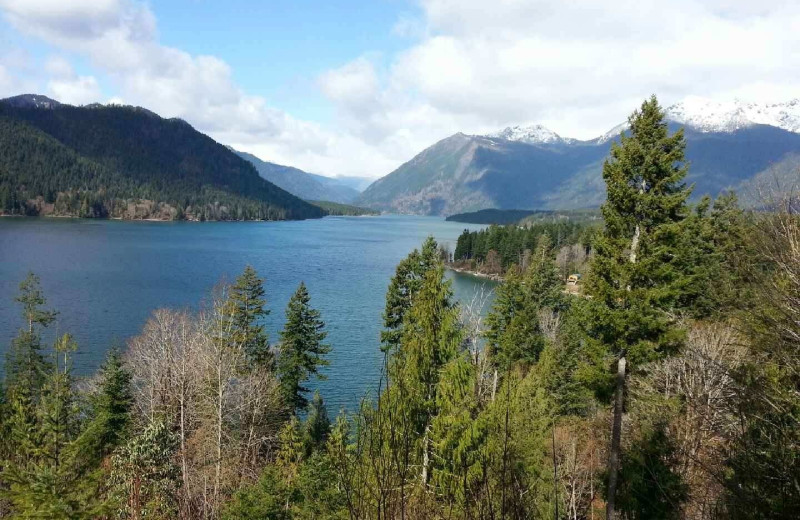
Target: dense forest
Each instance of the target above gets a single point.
(497, 248)
(524, 216)
(126, 162)
(670, 389)
(343, 210)
(493, 216)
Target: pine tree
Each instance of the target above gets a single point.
(26, 367)
(432, 337)
(317, 425)
(403, 287)
(144, 477)
(110, 410)
(49, 477)
(247, 295)
(633, 276)
(513, 330)
(302, 348)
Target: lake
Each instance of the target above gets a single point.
(106, 277)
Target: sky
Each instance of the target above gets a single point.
(351, 87)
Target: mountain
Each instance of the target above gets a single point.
(535, 168)
(307, 186)
(126, 162)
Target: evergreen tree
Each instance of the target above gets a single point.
(26, 367)
(110, 410)
(432, 337)
(302, 348)
(144, 476)
(48, 476)
(634, 278)
(513, 330)
(247, 295)
(317, 424)
(406, 282)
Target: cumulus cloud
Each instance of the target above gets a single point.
(120, 39)
(580, 67)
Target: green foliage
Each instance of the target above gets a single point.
(265, 500)
(511, 242)
(302, 348)
(650, 484)
(513, 330)
(342, 210)
(634, 278)
(402, 289)
(144, 475)
(247, 296)
(317, 426)
(25, 366)
(110, 417)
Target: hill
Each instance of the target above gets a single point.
(337, 209)
(533, 168)
(492, 216)
(307, 186)
(126, 162)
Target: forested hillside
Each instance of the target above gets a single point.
(668, 390)
(126, 162)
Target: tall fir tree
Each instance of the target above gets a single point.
(26, 367)
(248, 297)
(302, 348)
(404, 285)
(110, 409)
(634, 280)
(514, 333)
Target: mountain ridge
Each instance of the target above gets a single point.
(126, 162)
(537, 169)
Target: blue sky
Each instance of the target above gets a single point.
(351, 87)
(279, 48)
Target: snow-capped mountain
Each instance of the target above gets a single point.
(535, 134)
(708, 116)
(720, 116)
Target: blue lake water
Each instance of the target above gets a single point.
(106, 277)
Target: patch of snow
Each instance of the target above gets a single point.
(728, 116)
(706, 115)
(535, 134)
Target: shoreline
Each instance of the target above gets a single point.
(491, 277)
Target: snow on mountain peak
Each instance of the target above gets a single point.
(728, 116)
(534, 134)
(706, 115)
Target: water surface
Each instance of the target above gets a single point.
(106, 277)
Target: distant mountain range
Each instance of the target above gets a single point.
(305, 185)
(126, 162)
(729, 146)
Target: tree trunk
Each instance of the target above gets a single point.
(616, 437)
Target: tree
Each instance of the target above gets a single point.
(247, 295)
(317, 424)
(633, 276)
(25, 366)
(111, 408)
(144, 476)
(302, 348)
(513, 330)
(404, 285)
(48, 476)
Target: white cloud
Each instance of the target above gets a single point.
(120, 39)
(577, 67)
